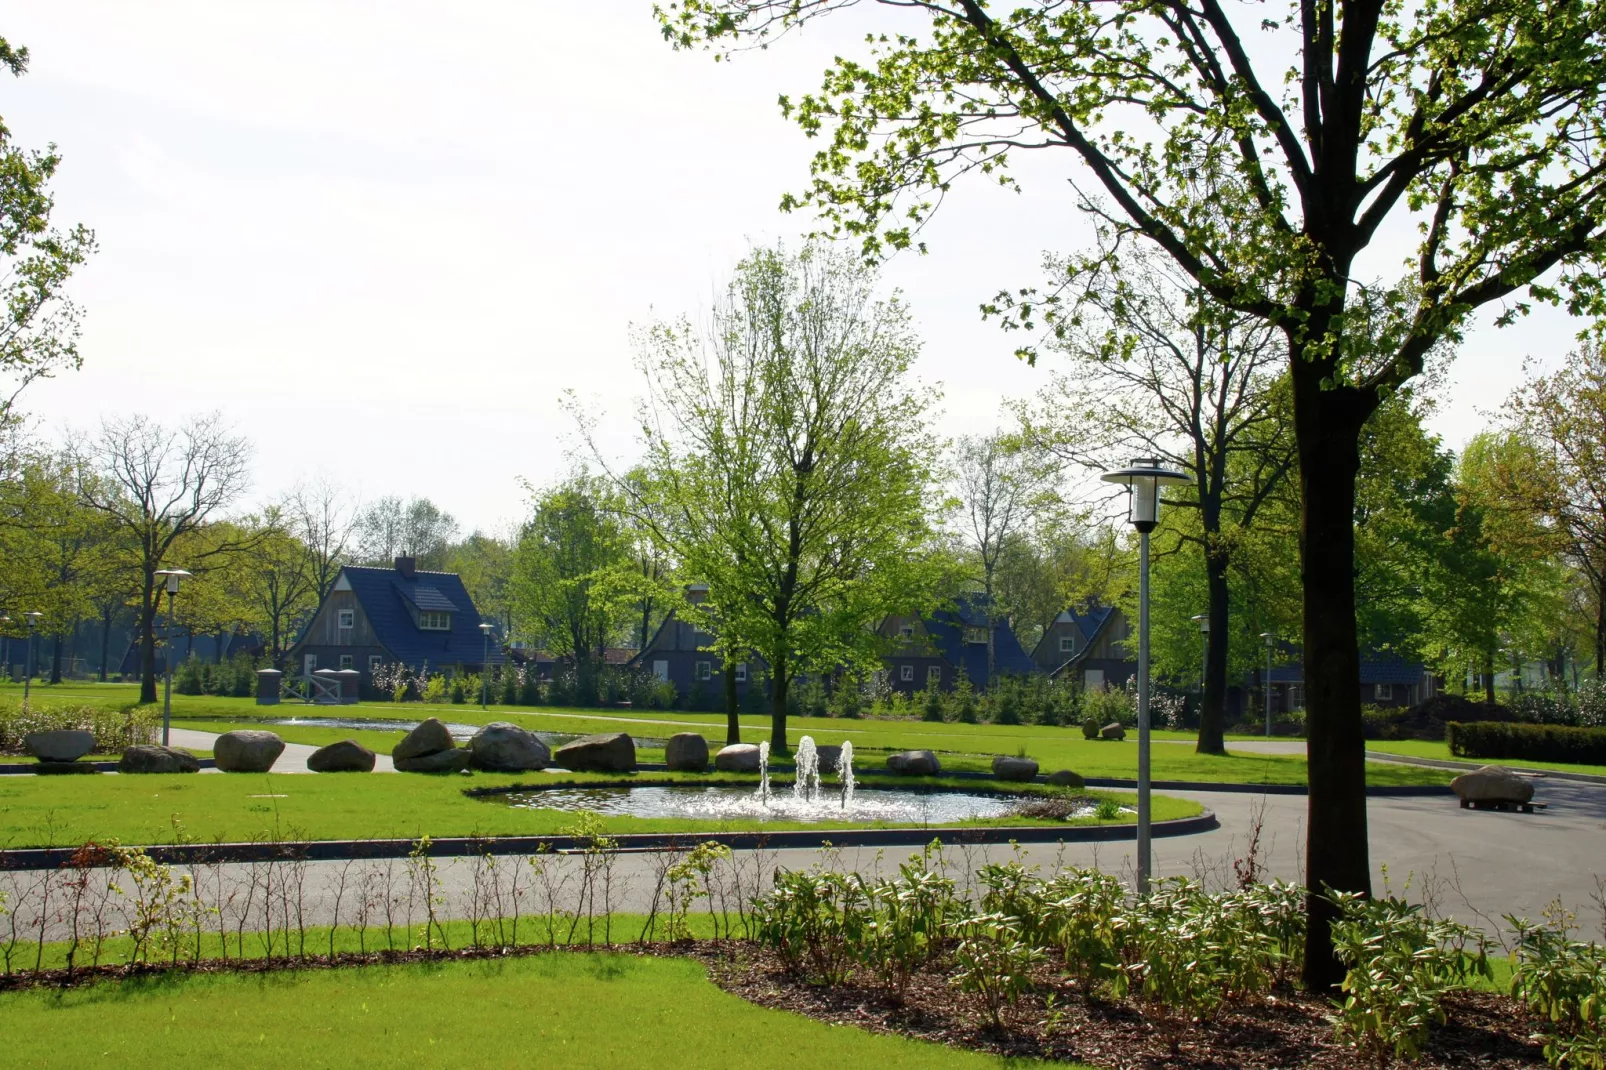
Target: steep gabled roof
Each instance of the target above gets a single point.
(946, 629)
(384, 594)
(1375, 669)
(1089, 620)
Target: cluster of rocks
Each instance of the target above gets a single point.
(498, 747)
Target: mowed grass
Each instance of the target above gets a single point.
(564, 1009)
(965, 746)
(236, 807)
(1422, 748)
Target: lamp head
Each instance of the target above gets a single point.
(485, 628)
(1143, 481)
(1269, 638)
(1202, 620)
(171, 577)
(33, 616)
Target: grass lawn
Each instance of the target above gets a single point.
(38, 811)
(1422, 748)
(964, 746)
(572, 1010)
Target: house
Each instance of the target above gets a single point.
(677, 653)
(380, 616)
(1089, 645)
(1386, 680)
(545, 664)
(930, 651)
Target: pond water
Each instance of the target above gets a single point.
(460, 732)
(744, 804)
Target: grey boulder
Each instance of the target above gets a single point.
(1493, 784)
(442, 761)
(1014, 768)
(1064, 778)
(149, 758)
(428, 738)
(501, 747)
(347, 756)
(737, 758)
(609, 753)
(1113, 730)
(61, 745)
(686, 752)
(247, 751)
(914, 763)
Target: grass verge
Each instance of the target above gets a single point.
(1420, 748)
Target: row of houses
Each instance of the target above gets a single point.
(380, 616)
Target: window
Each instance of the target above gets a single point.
(347, 662)
(1067, 644)
(907, 631)
(660, 671)
(434, 622)
(374, 662)
(348, 618)
(705, 670)
(907, 673)
(934, 676)
(975, 635)
(1383, 692)
(741, 672)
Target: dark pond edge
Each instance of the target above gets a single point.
(35, 858)
(31, 768)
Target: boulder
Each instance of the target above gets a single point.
(428, 738)
(62, 745)
(501, 747)
(1113, 730)
(1064, 778)
(914, 763)
(247, 751)
(454, 760)
(610, 753)
(686, 752)
(347, 756)
(149, 758)
(1014, 768)
(829, 756)
(737, 758)
(59, 768)
(1493, 784)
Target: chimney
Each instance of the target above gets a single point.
(696, 592)
(405, 565)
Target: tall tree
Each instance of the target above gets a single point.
(155, 486)
(278, 582)
(795, 462)
(1001, 484)
(1265, 167)
(389, 528)
(38, 324)
(322, 515)
(1158, 369)
(485, 564)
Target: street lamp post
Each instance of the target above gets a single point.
(32, 616)
(1203, 621)
(1143, 481)
(171, 578)
(485, 665)
(1270, 639)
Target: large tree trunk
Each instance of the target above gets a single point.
(55, 660)
(1213, 711)
(779, 685)
(1600, 631)
(1488, 678)
(105, 642)
(147, 645)
(733, 724)
(1328, 423)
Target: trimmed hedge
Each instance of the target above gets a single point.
(1529, 742)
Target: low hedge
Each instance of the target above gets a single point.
(113, 729)
(1528, 742)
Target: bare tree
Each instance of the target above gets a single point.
(390, 527)
(323, 515)
(155, 485)
(1001, 486)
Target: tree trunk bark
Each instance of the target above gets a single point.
(1327, 424)
(1488, 679)
(779, 686)
(1600, 631)
(55, 660)
(105, 642)
(733, 724)
(1213, 711)
(147, 646)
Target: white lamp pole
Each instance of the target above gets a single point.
(485, 665)
(1143, 481)
(1203, 621)
(1270, 639)
(171, 578)
(32, 616)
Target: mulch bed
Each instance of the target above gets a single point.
(1288, 1029)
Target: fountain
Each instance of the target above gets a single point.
(808, 770)
(764, 771)
(844, 773)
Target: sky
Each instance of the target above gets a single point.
(384, 238)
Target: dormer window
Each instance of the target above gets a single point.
(907, 631)
(348, 618)
(1067, 644)
(975, 635)
(434, 622)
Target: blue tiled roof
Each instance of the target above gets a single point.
(382, 592)
(947, 630)
(1378, 669)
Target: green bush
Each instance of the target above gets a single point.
(931, 703)
(1527, 742)
(962, 700)
(1562, 983)
(113, 729)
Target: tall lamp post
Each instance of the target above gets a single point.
(1203, 621)
(485, 665)
(171, 578)
(32, 616)
(1143, 481)
(1270, 639)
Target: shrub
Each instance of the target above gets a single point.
(113, 729)
(1529, 742)
(931, 703)
(1110, 705)
(435, 689)
(1562, 982)
(907, 923)
(815, 922)
(962, 699)
(1006, 700)
(995, 962)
